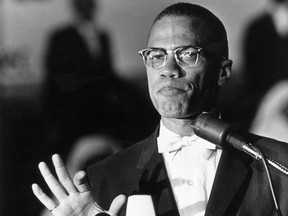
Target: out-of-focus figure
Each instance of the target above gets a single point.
(79, 51)
(266, 53)
(79, 65)
(271, 119)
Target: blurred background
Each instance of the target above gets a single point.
(50, 103)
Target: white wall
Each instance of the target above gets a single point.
(27, 24)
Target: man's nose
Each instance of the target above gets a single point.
(171, 68)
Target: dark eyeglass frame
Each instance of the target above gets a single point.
(144, 55)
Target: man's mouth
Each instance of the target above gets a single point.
(171, 90)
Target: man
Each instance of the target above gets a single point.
(187, 61)
(265, 54)
(79, 65)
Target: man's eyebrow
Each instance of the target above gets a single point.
(155, 48)
(189, 45)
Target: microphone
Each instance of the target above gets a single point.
(220, 133)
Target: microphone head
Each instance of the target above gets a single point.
(211, 129)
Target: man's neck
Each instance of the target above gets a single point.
(179, 126)
(183, 126)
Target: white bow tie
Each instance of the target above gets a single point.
(175, 143)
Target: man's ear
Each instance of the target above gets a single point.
(225, 71)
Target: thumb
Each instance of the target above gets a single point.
(117, 204)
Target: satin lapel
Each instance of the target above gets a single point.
(154, 179)
(230, 184)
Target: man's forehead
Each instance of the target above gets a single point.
(174, 29)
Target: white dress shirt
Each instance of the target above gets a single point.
(89, 33)
(191, 174)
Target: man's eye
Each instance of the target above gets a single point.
(186, 55)
(156, 56)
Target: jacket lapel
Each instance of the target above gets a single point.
(154, 179)
(230, 184)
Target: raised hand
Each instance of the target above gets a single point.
(72, 198)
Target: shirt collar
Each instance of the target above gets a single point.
(164, 131)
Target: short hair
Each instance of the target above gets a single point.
(199, 14)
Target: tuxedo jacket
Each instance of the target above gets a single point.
(76, 80)
(240, 187)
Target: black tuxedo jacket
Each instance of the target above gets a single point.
(240, 188)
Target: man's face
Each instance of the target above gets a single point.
(85, 9)
(174, 91)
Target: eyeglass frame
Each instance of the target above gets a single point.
(166, 52)
(199, 51)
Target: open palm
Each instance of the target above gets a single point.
(72, 198)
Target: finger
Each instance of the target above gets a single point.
(54, 185)
(63, 174)
(80, 181)
(117, 204)
(49, 203)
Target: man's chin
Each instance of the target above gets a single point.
(177, 114)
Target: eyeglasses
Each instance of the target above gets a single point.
(155, 58)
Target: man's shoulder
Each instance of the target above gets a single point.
(63, 32)
(265, 142)
(123, 159)
(271, 148)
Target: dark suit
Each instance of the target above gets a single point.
(68, 55)
(74, 74)
(75, 83)
(240, 187)
(265, 58)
